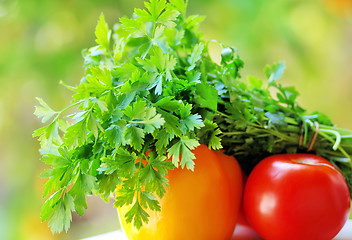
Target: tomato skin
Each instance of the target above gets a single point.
(296, 196)
(199, 205)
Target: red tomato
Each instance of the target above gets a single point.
(296, 196)
(199, 205)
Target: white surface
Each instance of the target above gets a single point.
(116, 235)
(346, 231)
(344, 234)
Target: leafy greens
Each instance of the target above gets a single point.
(153, 91)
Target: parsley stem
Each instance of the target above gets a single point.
(231, 133)
(337, 135)
(69, 106)
(282, 136)
(153, 32)
(342, 150)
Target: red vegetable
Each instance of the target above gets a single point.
(296, 196)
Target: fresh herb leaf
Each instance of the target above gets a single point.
(181, 153)
(103, 33)
(207, 96)
(274, 72)
(44, 111)
(107, 185)
(135, 136)
(59, 208)
(137, 215)
(209, 135)
(83, 186)
(195, 56)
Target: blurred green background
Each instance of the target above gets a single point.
(41, 43)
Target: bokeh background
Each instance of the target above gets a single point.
(41, 43)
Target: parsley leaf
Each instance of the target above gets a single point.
(83, 185)
(274, 72)
(209, 133)
(207, 96)
(181, 152)
(195, 56)
(137, 215)
(44, 111)
(103, 33)
(135, 136)
(59, 208)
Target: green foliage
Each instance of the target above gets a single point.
(151, 94)
(103, 33)
(44, 111)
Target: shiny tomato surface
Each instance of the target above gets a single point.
(199, 205)
(296, 196)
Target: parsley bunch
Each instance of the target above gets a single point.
(152, 92)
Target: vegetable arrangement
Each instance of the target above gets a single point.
(154, 92)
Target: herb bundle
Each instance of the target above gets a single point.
(153, 91)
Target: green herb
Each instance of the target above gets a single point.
(152, 92)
